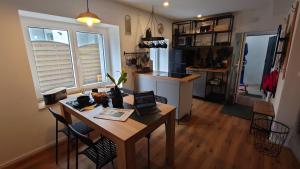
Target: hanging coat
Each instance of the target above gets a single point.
(270, 82)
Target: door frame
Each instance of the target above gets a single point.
(241, 59)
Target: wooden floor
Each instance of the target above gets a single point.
(210, 140)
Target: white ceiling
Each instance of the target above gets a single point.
(182, 9)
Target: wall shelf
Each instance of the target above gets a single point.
(205, 32)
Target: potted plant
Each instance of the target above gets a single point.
(116, 95)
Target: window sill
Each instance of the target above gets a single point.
(41, 104)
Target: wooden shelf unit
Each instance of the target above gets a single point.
(194, 33)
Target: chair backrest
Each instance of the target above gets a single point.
(161, 99)
(58, 117)
(84, 139)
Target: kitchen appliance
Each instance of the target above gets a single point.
(180, 59)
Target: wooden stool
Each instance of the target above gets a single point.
(262, 108)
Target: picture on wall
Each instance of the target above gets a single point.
(127, 25)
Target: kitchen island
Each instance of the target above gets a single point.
(176, 87)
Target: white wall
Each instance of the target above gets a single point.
(257, 50)
(23, 127)
(264, 19)
(286, 101)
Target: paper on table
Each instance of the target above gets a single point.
(114, 114)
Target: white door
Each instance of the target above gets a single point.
(237, 59)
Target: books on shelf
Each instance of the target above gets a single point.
(114, 114)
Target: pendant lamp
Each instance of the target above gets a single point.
(150, 40)
(88, 17)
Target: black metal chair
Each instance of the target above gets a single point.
(127, 91)
(161, 100)
(100, 152)
(79, 126)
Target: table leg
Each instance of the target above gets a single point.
(126, 155)
(66, 114)
(170, 139)
(252, 118)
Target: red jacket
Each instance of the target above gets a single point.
(270, 82)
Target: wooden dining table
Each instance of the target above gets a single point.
(126, 134)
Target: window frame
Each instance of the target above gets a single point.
(71, 29)
(103, 61)
(155, 55)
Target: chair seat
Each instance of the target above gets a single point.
(106, 150)
(80, 127)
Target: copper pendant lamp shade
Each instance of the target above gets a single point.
(88, 17)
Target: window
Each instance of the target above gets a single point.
(52, 57)
(63, 53)
(91, 59)
(160, 58)
(66, 57)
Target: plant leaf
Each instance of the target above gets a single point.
(111, 78)
(123, 77)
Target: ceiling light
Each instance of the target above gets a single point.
(88, 17)
(199, 16)
(166, 4)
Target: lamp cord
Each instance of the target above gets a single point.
(87, 5)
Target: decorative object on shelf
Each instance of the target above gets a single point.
(128, 25)
(205, 28)
(215, 81)
(148, 33)
(150, 40)
(116, 95)
(88, 17)
(181, 41)
(160, 28)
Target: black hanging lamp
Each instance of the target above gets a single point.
(150, 40)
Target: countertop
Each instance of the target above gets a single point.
(159, 75)
(216, 70)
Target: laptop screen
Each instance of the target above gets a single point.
(144, 100)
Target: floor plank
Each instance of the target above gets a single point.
(209, 140)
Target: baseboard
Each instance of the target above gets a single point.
(30, 154)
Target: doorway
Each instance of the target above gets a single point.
(258, 50)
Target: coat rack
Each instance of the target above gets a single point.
(283, 50)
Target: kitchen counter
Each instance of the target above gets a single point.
(215, 70)
(164, 76)
(177, 88)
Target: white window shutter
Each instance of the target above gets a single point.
(90, 63)
(53, 64)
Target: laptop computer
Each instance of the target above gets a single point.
(145, 103)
